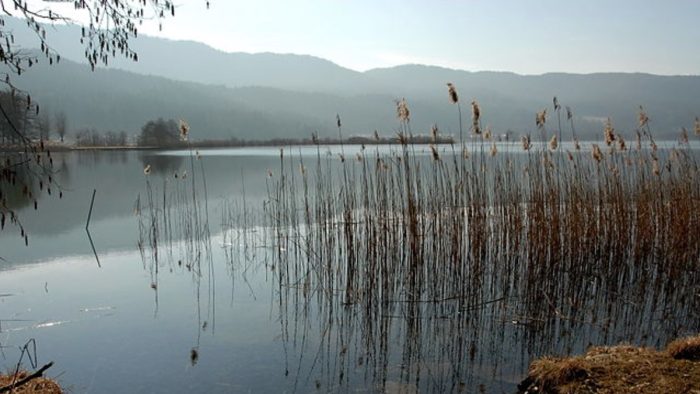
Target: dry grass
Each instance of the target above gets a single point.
(39, 385)
(551, 373)
(685, 348)
(618, 369)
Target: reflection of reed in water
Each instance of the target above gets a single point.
(174, 234)
(446, 271)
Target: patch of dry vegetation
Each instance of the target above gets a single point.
(620, 369)
(39, 385)
(685, 348)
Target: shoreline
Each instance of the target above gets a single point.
(620, 368)
(219, 145)
(276, 143)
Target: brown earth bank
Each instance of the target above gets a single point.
(620, 369)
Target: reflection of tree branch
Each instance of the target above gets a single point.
(92, 244)
(87, 229)
(13, 165)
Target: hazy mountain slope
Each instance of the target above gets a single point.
(118, 100)
(197, 62)
(271, 95)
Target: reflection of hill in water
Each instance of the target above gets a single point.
(119, 179)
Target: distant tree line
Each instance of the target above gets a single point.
(160, 133)
(92, 137)
(352, 140)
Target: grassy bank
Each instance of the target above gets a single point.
(620, 369)
(39, 385)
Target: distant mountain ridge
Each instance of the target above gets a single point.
(282, 95)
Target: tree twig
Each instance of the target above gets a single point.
(39, 372)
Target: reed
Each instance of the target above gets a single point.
(429, 242)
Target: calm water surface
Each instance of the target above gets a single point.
(225, 326)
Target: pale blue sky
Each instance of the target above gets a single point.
(524, 36)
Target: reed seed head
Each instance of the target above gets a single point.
(184, 130)
(609, 131)
(555, 101)
(553, 144)
(476, 115)
(569, 113)
(621, 143)
(541, 118)
(596, 153)
(494, 150)
(697, 126)
(147, 170)
(402, 111)
(525, 140)
(452, 93)
(643, 118)
(476, 111)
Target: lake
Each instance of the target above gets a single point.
(190, 290)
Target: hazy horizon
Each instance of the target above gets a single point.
(530, 38)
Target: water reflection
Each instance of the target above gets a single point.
(167, 165)
(19, 189)
(252, 284)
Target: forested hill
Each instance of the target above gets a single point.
(278, 95)
(118, 100)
